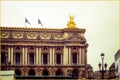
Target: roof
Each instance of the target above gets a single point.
(82, 30)
(117, 55)
(89, 66)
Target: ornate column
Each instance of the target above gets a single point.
(36, 56)
(26, 56)
(39, 58)
(80, 56)
(11, 55)
(9, 59)
(51, 55)
(23, 57)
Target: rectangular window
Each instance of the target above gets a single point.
(45, 58)
(3, 58)
(31, 58)
(17, 58)
(58, 59)
(74, 58)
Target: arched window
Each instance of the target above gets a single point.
(45, 72)
(17, 72)
(58, 58)
(75, 73)
(45, 58)
(31, 48)
(45, 48)
(4, 58)
(31, 72)
(74, 48)
(58, 48)
(31, 58)
(17, 58)
(17, 48)
(59, 72)
(74, 58)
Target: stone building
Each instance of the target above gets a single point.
(112, 71)
(89, 72)
(44, 51)
(117, 64)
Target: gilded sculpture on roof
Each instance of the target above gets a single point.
(71, 23)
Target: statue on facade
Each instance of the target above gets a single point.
(71, 23)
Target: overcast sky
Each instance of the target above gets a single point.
(99, 18)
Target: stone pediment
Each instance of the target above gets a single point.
(75, 37)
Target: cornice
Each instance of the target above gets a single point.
(43, 29)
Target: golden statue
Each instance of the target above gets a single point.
(71, 23)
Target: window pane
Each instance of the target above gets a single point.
(17, 58)
(4, 58)
(45, 58)
(31, 58)
(74, 55)
(58, 58)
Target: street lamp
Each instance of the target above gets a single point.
(102, 65)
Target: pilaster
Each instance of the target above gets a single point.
(65, 56)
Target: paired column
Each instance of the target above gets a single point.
(53, 58)
(23, 57)
(9, 51)
(39, 54)
(25, 54)
(80, 58)
(51, 54)
(82, 55)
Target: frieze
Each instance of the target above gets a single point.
(31, 35)
(17, 35)
(41, 35)
(4, 35)
(45, 36)
(75, 37)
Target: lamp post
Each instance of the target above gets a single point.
(104, 66)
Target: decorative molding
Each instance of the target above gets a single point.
(17, 35)
(31, 35)
(75, 37)
(4, 35)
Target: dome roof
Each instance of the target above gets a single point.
(89, 66)
(112, 65)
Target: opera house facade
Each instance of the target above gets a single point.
(44, 51)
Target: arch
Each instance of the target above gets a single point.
(45, 72)
(17, 72)
(31, 72)
(75, 73)
(59, 72)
